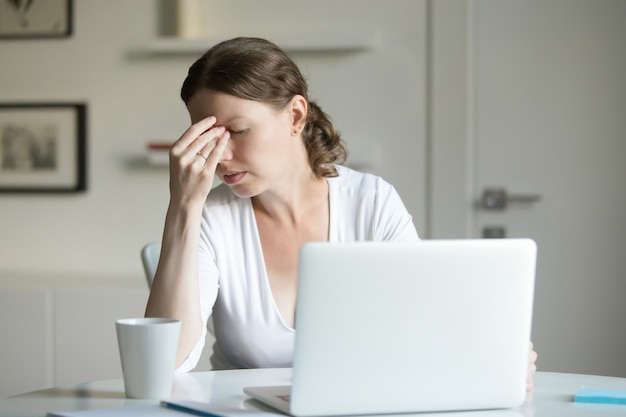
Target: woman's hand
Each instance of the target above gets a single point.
(532, 367)
(193, 159)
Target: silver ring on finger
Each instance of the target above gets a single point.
(202, 155)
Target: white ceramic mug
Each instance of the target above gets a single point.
(148, 354)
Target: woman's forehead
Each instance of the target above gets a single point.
(225, 107)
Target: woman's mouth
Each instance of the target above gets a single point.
(233, 177)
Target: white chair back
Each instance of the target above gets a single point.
(150, 258)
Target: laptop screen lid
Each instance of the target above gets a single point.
(436, 325)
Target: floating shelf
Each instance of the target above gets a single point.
(323, 42)
(144, 162)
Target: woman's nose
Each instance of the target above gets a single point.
(227, 155)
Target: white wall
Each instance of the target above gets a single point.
(375, 97)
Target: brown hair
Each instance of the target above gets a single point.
(257, 69)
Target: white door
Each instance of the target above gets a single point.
(545, 119)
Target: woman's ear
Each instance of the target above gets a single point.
(298, 108)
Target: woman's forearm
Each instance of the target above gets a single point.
(175, 289)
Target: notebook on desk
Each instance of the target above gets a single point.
(436, 325)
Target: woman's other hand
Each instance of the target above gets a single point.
(532, 367)
(193, 160)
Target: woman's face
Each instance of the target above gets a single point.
(261, 150)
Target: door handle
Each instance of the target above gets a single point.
(499, 198)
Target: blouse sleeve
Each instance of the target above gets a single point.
(393, 221)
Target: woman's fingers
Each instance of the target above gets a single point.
(203, 144)
(199, 138)
(193, 132)
(214, 149)
(532, 367)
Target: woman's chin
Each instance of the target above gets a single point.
(242, 191)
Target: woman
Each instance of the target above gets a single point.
(232, 252)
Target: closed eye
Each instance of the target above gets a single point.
(238, 132)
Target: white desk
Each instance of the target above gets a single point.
(552, 396)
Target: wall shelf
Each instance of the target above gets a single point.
(297, 43)
(144, 162)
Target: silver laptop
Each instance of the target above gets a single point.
(436, 325)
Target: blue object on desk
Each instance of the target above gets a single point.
(187, 409)
(600, 396)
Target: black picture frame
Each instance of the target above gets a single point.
(43, 147)
(36, 19)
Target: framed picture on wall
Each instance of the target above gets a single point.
(35, 18)
(43, 147)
